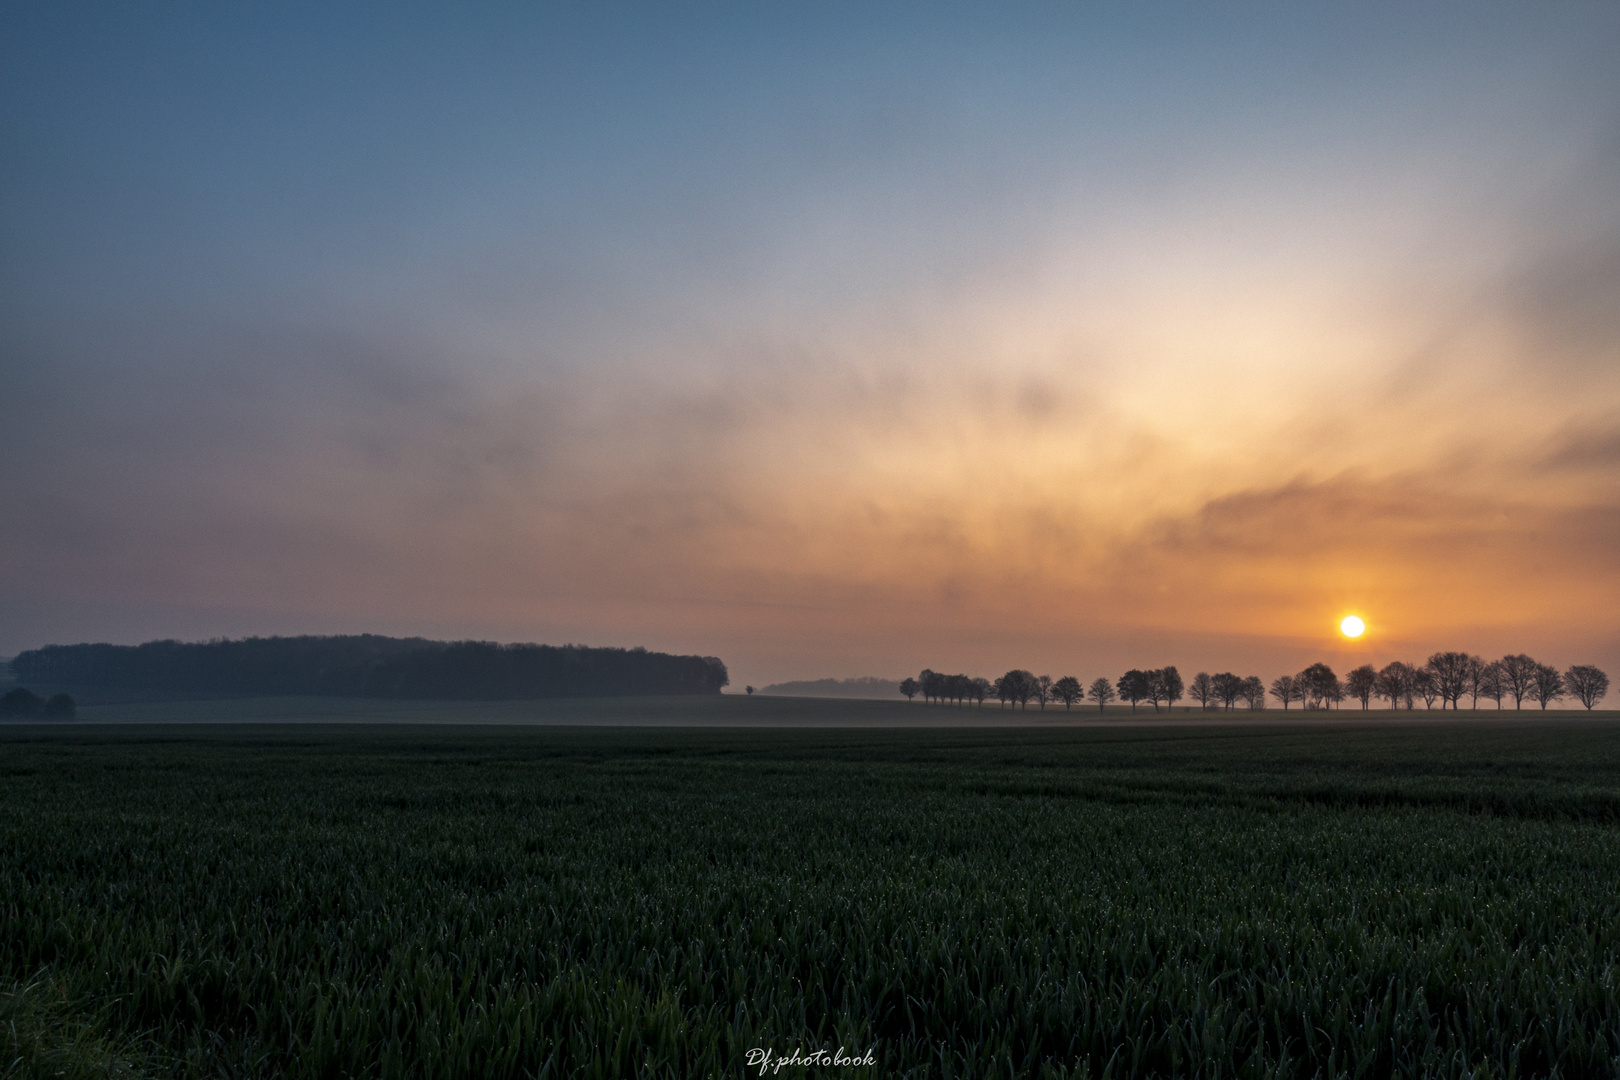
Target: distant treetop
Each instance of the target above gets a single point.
(865, 687)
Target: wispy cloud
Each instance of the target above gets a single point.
(945, 356)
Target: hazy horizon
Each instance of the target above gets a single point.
(824, 339)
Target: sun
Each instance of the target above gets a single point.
(1352, 626)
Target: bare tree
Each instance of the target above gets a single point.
(1200, 689)
(1450, 677)
(981, 690)
(1362, 683)
(1476, 680)
(1102, 692)
(1547, 686)
(1303, 687)
(1284, 689)
(1518, 676)
(1426, 686)
(909, 687)
(1155, 688)
(1254, 692)
(1586, 684)
(1228, 687)
(1492, 683)
(1068, 691)
(1041, 691)
(1395, 683)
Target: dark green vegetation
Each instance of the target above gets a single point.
(1323, 899)
(369, 665)
(23, 703)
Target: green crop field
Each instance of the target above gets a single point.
(1315, 899)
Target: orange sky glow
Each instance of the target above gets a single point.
(1073, 369)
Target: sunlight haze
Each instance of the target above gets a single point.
(829, 340)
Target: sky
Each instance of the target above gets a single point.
(830, 339)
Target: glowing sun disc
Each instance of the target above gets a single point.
(1352, 626)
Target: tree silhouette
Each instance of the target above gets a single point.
(1254, 692)
(1547, 685)
(1068, 690)
(1017, 686)
(369, 665)
(1318, 685)
(21, 702)
(1041, 691)
(981, 689)
(1164, 684)
(1451, 672)
(1133, 687)
(1201, 690)
(1586, 684)
(1170, 683)
(1476, 680)
(1395, 683)
(928, 683)
(1426, 686)
(1284, 689)
(1492, 682)
(1102, 692)
(1518, 676)
(909, 687)
(1361, 683)
(1029, 687)
(1153, 688)
(1228, 688)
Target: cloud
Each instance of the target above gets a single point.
(1419, 557)
(1181, 347)
(1594, 449)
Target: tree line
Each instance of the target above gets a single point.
(1446, 677)
(1020, 687)
(369, 665)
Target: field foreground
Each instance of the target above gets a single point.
(1321, 899)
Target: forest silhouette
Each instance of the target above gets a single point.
(370, 665)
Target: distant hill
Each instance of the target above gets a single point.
(868, 687)
(367, 665)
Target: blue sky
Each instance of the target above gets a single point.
(832, 339)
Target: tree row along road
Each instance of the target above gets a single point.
(1446, 678)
